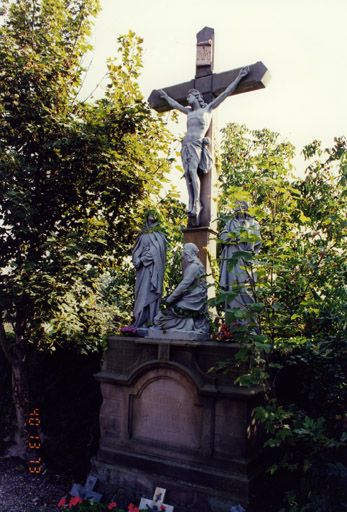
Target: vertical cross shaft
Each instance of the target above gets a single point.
(204, 68)
(203, 236)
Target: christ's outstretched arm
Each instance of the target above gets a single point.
(229, 90)
(172, 102)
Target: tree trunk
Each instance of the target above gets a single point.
(14, 350)
(21, 401)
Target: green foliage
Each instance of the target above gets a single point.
(296, 349)
(75, 176)
(116, 295)
(173, 221)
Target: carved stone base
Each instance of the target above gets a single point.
(166, 422)
(176, 335)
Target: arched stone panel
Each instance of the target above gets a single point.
(165, 410)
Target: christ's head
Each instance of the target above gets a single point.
(195, 95)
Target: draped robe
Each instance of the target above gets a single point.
(239, 275)
(149, 256)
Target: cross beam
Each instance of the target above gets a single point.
(214, 84)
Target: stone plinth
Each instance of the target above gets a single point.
(205, 239)
(166, 422)
(155, 334)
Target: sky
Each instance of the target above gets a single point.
(303, 43)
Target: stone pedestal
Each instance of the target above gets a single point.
(166, 422)
(205, 239)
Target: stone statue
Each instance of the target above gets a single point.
(149, 256)
(241, 274)
(194, 152)
(188, 306)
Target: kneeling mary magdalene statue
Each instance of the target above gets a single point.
(187, 309)
(149, 257)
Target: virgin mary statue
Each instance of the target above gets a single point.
(149, 256)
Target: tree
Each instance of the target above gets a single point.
(297, 348)
(75, 175)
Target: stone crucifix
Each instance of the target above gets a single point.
(197, 99)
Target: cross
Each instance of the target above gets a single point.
(156, 504)
(87, 491)
(201, 230)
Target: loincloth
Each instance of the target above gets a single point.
(196, 152)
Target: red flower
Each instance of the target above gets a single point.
(162, 507)
(74, 500)
(112, 505)
(62, 502)
(132, 508)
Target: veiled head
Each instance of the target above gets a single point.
(152, 219)
(242, 206)
(190, 252)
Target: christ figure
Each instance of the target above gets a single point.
(194, 152)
